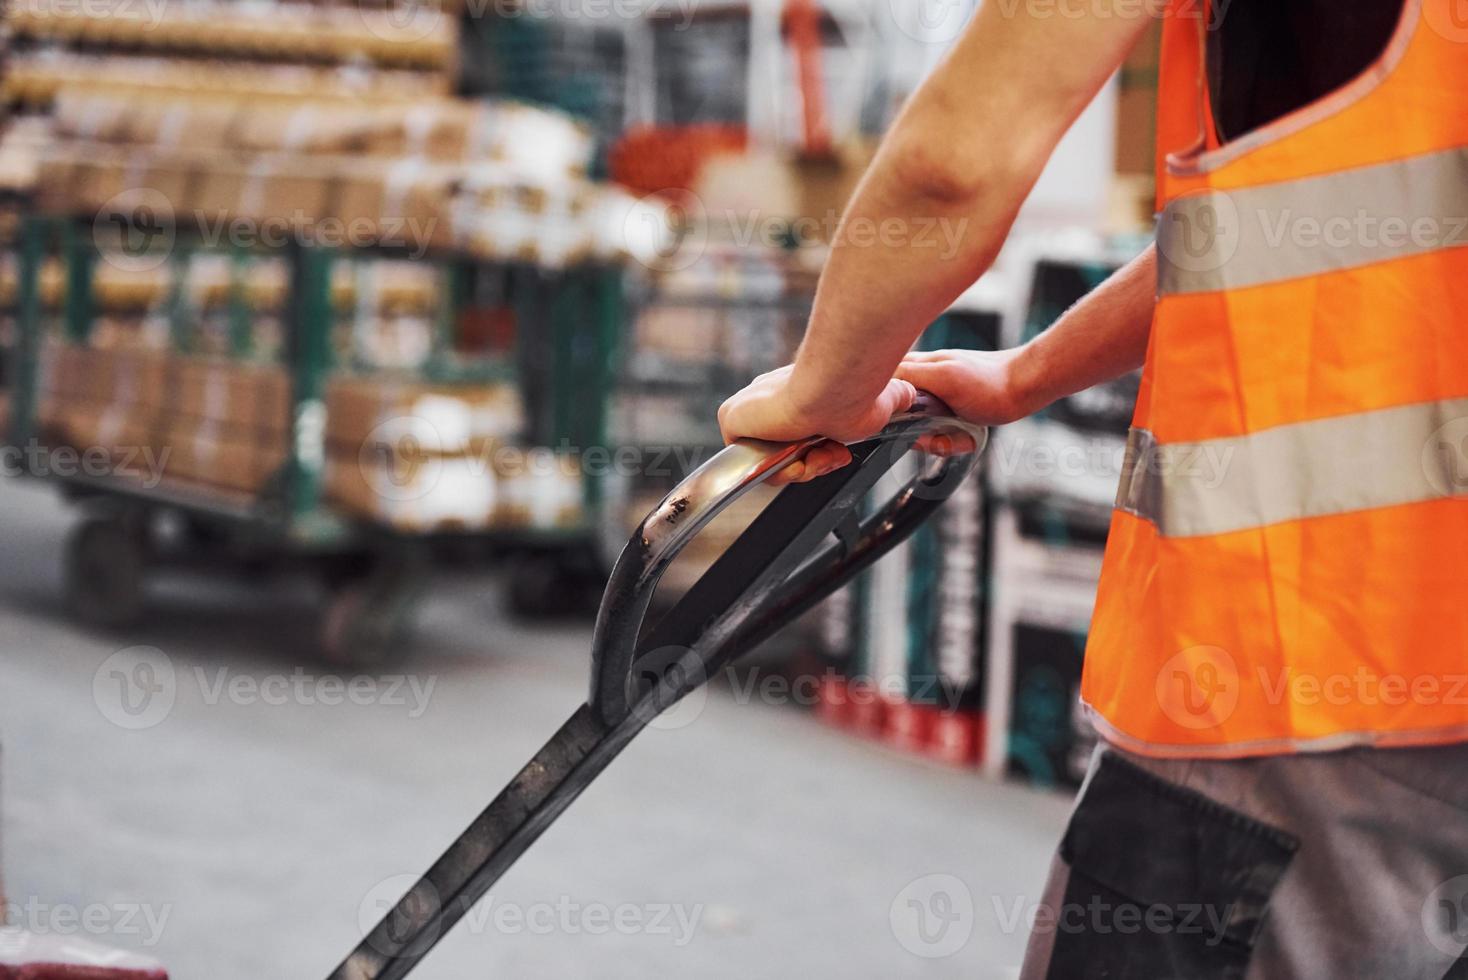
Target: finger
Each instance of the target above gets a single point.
(922, 374)
(936, 378)
(827, 457)
(793, 473)
(947, 443)
(926, 356)
(898, 396)
(723, 417)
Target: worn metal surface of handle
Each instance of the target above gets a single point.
(753, 581)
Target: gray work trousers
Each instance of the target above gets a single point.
(1348, 865)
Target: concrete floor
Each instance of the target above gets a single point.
(238, 837)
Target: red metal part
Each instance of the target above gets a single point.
(803, 28)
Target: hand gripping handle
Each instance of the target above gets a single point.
(782, 565)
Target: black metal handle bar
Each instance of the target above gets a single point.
(807, 542)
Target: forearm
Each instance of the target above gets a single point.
(902, 254)
(946, 186)
(1102, 337)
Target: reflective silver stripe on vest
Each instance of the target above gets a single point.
(1401, 455)
(1235, 239)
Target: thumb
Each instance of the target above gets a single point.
(899, 396)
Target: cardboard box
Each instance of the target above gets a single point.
(121, 433)
(216, 454)
(417, 205)
(130, 377)
(306, 127)
(252, 397)
(284, 188)
(272, 396)
(433, 130)
(439, 420)
(538, 489)
(216, 190)
(360, 193)
(417, 493)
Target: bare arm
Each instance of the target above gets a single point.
(962, 156)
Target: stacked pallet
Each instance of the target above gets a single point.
(406, 41)
(426, 457)
(499, 181)
(401, 453)
(424, 38)
(227, 427)
(33, 81)
(103, 403)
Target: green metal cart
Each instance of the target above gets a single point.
(568, 323)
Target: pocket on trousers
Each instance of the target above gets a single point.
(1165, 884)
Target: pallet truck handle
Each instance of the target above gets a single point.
(624, 668)
(780, 566)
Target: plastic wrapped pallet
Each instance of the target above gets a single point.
(444, 419)
(414, 492)
(538, 489)
(423, 457)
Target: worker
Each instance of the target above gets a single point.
(1278, 656)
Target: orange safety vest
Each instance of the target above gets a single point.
(1287, 568)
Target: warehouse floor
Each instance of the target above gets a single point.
(246, 833)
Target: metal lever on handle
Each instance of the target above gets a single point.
(808, 541)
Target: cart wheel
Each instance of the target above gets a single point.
(105, 565)
(545, 586)
(366, 619)
(352, 634)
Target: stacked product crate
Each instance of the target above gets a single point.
(1054, 478)
(904, 643)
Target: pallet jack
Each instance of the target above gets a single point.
(807, 542)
